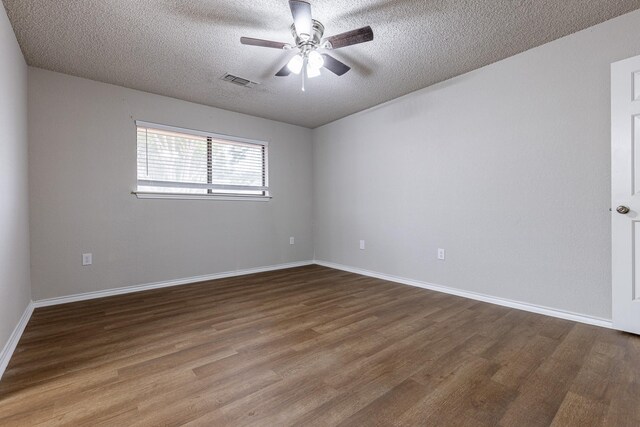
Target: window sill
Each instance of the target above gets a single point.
(177, 196)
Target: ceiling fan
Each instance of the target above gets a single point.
(307, 33)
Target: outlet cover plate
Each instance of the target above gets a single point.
(87, 259)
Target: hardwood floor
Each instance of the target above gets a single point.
(315, 346)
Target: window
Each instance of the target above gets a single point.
(175, 161)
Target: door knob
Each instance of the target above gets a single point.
(622, 210)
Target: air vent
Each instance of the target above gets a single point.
(238, 80)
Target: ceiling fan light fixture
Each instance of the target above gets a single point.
(308, 36)
(295, 64)
(316, 60)
(312, 71)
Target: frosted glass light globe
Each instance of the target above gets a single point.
(312, 72)
(315, 60)
(295, 64)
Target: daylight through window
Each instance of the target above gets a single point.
(180, 161)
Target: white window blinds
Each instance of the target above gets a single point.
(181, 161)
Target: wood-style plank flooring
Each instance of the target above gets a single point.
(315, 346)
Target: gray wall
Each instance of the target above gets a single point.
(507, 168)
(15, 291)
(83, 167)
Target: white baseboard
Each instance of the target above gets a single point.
(11, 344)
(164, 284)
(548, 311)
(567, 315)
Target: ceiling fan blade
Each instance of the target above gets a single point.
(301, 11)
(284, 71)
(336, 67)
(361, 35)
(262, 43)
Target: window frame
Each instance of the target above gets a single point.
(210, 195)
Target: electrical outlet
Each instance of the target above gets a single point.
(292, 240)
(87, 259)
(361, 244)
(441, 254)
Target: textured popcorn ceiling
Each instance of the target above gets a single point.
(182, 48)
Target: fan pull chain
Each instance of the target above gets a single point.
(304, 71)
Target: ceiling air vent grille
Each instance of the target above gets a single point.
(238, 80)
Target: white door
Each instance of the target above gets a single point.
(625, 193)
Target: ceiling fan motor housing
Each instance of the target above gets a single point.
(313, 42)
